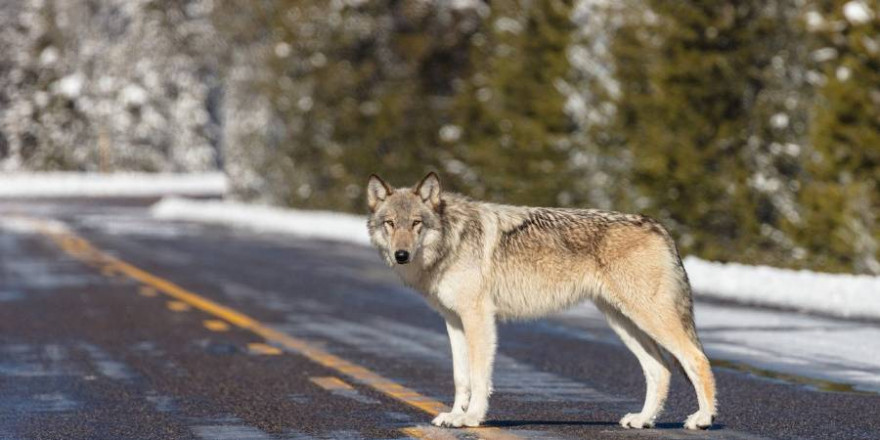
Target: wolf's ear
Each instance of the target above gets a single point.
(377, 191)
(429, 189)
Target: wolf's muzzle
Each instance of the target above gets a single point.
(402, 257)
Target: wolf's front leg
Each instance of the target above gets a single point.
(460, 372)
(479, 331)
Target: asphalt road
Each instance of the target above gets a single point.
(124, 327)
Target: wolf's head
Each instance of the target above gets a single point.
(405, 222)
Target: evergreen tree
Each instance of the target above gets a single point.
(841, 197)
(700, 114)
(514, 143)
(691, 76)
(353, 89)
(107, 86)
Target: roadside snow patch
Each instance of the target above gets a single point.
(835, 294)
(25, 225)
(110, 185)
(310, 224)
(856, 296)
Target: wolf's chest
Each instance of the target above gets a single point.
(412, 276)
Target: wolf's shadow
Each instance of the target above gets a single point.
(523, 423)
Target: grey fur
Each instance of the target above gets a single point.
(476, 262)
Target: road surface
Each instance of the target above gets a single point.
(117, 326)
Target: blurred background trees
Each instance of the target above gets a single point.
(109, 85)
(840, 195)
(751, 128)
(712, 111)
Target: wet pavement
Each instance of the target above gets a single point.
(183, 331)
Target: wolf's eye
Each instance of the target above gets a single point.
(416, 222)
(389, 223)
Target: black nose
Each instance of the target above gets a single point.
(401, 257)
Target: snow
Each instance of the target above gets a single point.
(450, 133)
(808, 346)
(71, 85)
(843, 73)
(282, 50)
(824, 54)
(466, 4)
(49, 56)
(134, 94)
(66, 184)
(815, 20)
(309, 224)
(137, 78)
(507, 24)
(850, 296)
(857, 12)
(779, 120)
(23, 225)
(835, 294)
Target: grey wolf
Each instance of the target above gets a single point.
(477, 262)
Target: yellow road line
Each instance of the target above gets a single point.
(149, 292)
(215, 325)
(331, 383)
(82, 249)
(261, 348)
(428, 433)
(177, 306)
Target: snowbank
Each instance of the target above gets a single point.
(311, 224)
(835, 294)
(839, 295)
(111, 185)
(23, 225)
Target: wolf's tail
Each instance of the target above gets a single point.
(685, 301)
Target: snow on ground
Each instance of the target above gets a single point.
(22, 225)
(64, 184)
(833, 294)
(310, 224)
(834, 350)
(836, 294)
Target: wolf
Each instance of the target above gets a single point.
(477, 262)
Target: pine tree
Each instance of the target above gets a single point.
(514, 143)
(692, 75)
(841, 195)
(107, 86)
(352, 90)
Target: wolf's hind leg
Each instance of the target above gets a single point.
(675, 334)
(653, 364)
(699, 371)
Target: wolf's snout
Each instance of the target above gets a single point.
(402, 257)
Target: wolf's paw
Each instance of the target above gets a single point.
(699, 420)
(456, 420)
(637, 421)
(444, 419)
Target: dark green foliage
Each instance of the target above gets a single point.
(841, 194)
(374, 87)
(514, 138)
(359, 89)
(717, 121)
(713, 113)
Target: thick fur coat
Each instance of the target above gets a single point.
(476, 262)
